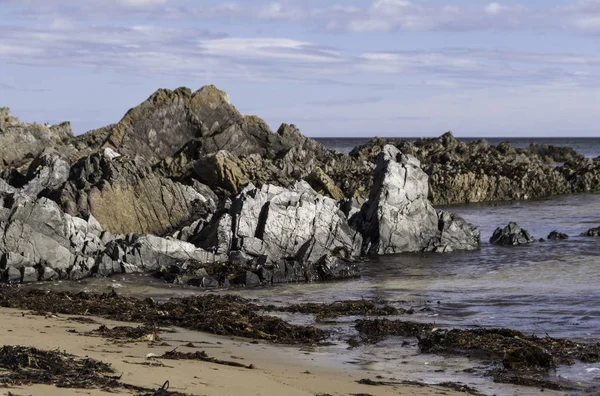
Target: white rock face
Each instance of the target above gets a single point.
(280, 223)
(398, 217)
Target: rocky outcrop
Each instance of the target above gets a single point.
(511, 235)
(399, 218)
(462, 172)
(272, 223)
(21, 142)
(127, 197)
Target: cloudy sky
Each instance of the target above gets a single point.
(332, 67)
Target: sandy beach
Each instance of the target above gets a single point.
(278, 370)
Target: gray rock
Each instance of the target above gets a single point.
(293, 223)
(30, 274)
(398, 216)
(456, 233)
(47, 172)
(12, 275)
(48, 274)
(511, 235)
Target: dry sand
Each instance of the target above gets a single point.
(279, 370)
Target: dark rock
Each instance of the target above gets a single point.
(333, 268)
(555, 235)
(592, 232)
(511, 235)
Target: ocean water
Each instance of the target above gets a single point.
(550, 287)
(589, 147)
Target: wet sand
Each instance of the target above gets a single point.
(278, 370)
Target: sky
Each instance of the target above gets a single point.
(332, 67)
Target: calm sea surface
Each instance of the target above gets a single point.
(549, 287)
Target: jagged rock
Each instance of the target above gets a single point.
(399, 218)
(47, 173)
(20, 141)
(592, 232)
(163, 124)
(511, 235)
(280, 223)
(456, 233)
(39, 233)
(127, 197)
(555, 235)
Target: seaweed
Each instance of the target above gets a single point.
(216, 314)
(338, 309)
(375, 330)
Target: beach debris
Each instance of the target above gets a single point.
(129, 333)
(202, 356)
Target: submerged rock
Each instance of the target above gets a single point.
(511, 235)
(555, 235)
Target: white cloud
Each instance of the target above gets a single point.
(493, 9)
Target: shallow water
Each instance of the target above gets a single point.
(546, 288)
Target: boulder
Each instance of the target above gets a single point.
(555, 235)
(456, 233)
(398, 216)
(511, 235)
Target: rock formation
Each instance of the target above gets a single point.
(511, 235)
(399, 218)
(477, 172)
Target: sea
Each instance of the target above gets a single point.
(548, 288)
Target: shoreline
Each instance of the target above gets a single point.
(275, 373)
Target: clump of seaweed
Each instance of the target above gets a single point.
(339, 309)
(375, 330)
(515, 350)
(35, 366)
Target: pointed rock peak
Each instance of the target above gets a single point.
(211, 92)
